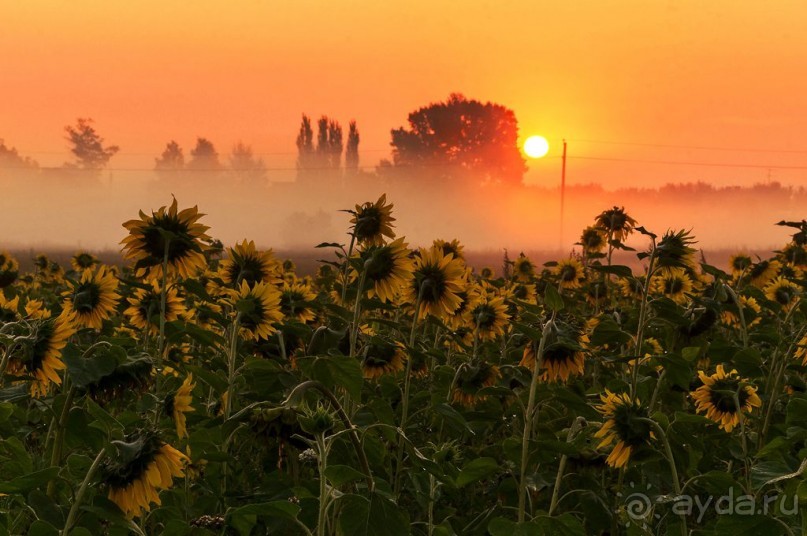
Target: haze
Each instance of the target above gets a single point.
(646, 93)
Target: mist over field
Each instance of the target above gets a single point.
(67, 210)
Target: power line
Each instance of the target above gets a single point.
(685, 163)
(695, 147)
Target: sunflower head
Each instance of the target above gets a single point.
(83, 260)
(382, 357)
(453, 246)
(93, 298)
(472, 378)
(674, 251)
(570, 273)
(594, 239)
(9, 269)
(245, 263)
(144, 307)
(144, 466)
(373, 221)
(387, 268)
(166, 235)
(673, 283)
(487, 273)
(179, 403)
(719, 394)
(436, 280)
(258, 309)
(795, 254)
(616, 223)
(624, 425)
(523, 269)
(296, 300)
(132, 375)
(783, 292)
(739, 264)
(489, 317)
(763, 272)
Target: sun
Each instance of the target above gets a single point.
(536, 146)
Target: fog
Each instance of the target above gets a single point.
(72, 210)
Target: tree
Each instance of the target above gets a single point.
(12, 163)
(352, 149)
(88, 147)
(204, 156)
(246, 167)
(326, 159)
(306, 157)
(459, 139)
(171, 162)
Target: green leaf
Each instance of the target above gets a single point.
(243, 519)
(746, 525)
(452, 417)
(377, 516)
(25, 483)
(553, 299)
(42, 528)
(617, 270)
(342, 474)
(476, 470)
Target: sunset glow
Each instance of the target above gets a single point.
(536, 146)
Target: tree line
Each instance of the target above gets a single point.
(460, 139)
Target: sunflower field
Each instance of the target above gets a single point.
(203, 389)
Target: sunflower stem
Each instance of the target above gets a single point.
(322, 464)
(739, 305)
(58, 438)
(642, 317)
(407, 383)
(354, 437)
(4, 363)
(671, 460)
(774, 389)
(71, 517)
(528, 417)
(354, 328)
(347, 265)
(228, 404)
(161, 340)
(576, 426)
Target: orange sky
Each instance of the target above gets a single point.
(717, 73)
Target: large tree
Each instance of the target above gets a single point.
(324, 160)
(245, 167)
(171, 162)
(459, 139)
(352, 149)
(204, 157)
(12, 163)
(88, 146)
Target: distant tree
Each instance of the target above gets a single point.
(171, 162)
(245, 166)
(204, 156)
(352, 149)
(306, 157)
(11, 161)
(88, 147)
(459, 139)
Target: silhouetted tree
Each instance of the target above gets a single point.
(204, 156)
(306, 157)
(459, 139)
(352, 149)
(245, 166)
(12, 163)
(88, 147)
(171, 162)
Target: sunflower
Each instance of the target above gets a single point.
(716, 397)
(632, 287)
(180, 403)
(373, 221)
(674, 251)
(470, 380)
(36, 309)
(795, 254)
(9, 309)
(144, 307)
(168, 234)
(9, 269)
(93, 298)
(616, 223)
(461, 317)
(259, 309)
(563, 357)
(489, 317)
(295, 301)
(387, 268)
(42, 359)
(673, 283)
(245, 263)
(791, 271)
(523, 269)
(593, 240)
(437, 279)
(739, 264)
(382, 358)
(750, 305)
(763, 273)
(133, 375)
(145, 466)
(623, 425)
(783, 292)
(487, 273)
(454, 247)
(570, 273)
(83, 260)
(801, 350)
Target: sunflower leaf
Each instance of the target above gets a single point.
(553, 299)
(476, 470)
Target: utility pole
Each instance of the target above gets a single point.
(562, 193)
